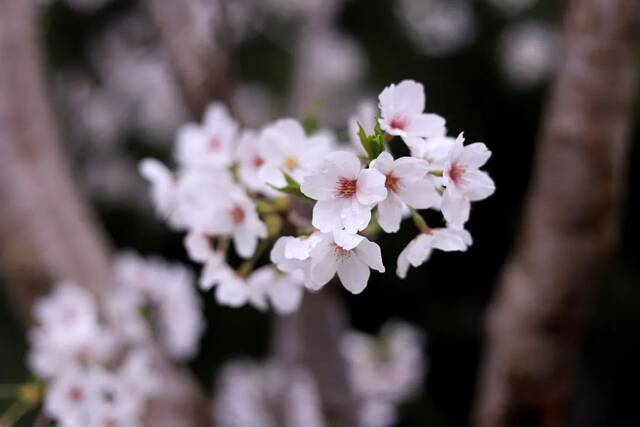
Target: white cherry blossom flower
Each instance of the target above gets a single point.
(231, 289)
(250, 163)
(407, 184)
(284, 147)
(402, 113)
(213, 143)
(465, 181)
(349, 255)
(345, 193)
(282, 290)
(419, 249)
(293, 254)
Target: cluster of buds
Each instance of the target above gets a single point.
(253, 189)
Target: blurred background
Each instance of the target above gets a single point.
(486, 66)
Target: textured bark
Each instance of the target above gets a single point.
(187, 30)
(311, 338)
(47, 233)
(570, 226)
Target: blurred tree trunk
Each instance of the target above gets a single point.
(311, 338)
(188, 31)
(47, 232)
(570, 226)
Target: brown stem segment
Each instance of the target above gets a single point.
(47, 232)
(570, 226)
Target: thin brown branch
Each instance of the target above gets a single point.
(570, 226)
(47, 233)
(187, 30)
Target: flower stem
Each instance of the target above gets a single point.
(13, 414)
(419, 221)
(248, 265)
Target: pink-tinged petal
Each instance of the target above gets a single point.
(371, 187)
(323, 264)
(269, 173)
(297, 248)
(455, 208)
(354, 216)
(354, 274)
(384, 163)
(410, 168)
(421, 194)
(426, 126)
(478, 185)
(451, 240)
(291, 128)
(474, 155)
(343, 164)
(402, 265)
(406, 98)
(198, 247)
(320, 186)
(390, 213)
(233, 293)
(326, 215)
(369, 253)
(244, 242)
(285, 296)
(346, 240)
(420, 249)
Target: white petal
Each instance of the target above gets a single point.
(323, 264)
(354, 274)
(297, 248)
(326, 215)
(419, 250)
(285, 295)
(371, 187)
(320, 186)
(344, 164)
(407, 98)
(244, 242)
(426, 125)
(451, 240)
(421, 194)
(346, 240)
(354, 216)
(390, 213)
(384, 163)
(198, 247)
(455, 208)
(474, 155)
(369, 253)
(410, 168)
(478, 185)
(403, 263)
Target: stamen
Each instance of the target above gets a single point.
(237, 214)
(398, 122)
(347, 188)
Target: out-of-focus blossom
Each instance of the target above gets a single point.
(251, 395)
(384, 371)
(529, 53)
(438, 27)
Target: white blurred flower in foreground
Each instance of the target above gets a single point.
(402, 113)
(529, 53)
(384, 371)
(345, 193)
(269, 395)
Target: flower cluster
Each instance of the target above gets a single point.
(384, 370)
(316, 203)
(253, 395)
(100, 361)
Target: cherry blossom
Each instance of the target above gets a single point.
(364, 116)
(419, 249)
(402, 113)
(407, 183)
(282, 290)
(284, 147)
(210, 144)
(345, 193)
(465, 181)
(164, 193)
(350, 256)
(293, 255)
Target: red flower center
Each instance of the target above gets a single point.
(391, 182)
(347, 188)
(456, 172)
(75, 394)
(214, 143)
(237, 214)
(398, 122)
(257, 161)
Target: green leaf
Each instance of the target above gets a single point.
(292, 188)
